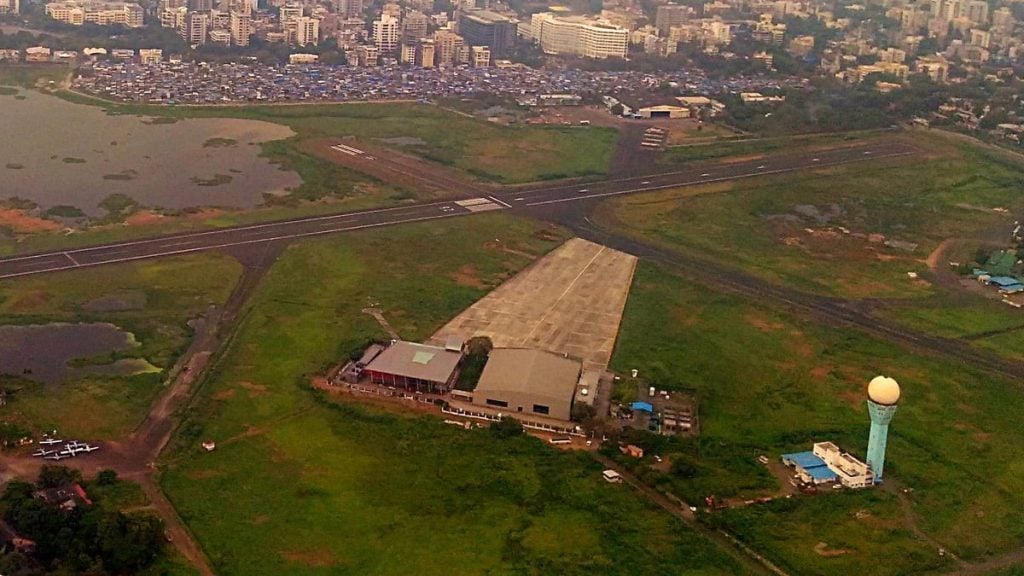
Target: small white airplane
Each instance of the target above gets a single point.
(50, 441)
(89, 448)
(42, 452)
(57, 457)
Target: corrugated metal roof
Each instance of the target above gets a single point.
(803, 459)
(531, 371)
(418, 361)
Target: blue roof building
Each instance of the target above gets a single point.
(809, 467)
(644, 406)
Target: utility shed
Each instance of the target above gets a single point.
(528, 381)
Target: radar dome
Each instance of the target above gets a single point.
(884, 390)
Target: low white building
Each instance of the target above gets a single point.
(852, 472)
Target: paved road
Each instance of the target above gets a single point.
(551, 195)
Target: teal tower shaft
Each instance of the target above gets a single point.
(881, 415)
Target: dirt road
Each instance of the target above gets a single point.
(134, 458)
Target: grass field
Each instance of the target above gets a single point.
(762, 225)
(770, 384)
(29, 76)
(745, 146)
(487, 151)
(162, 296)
(302, 485)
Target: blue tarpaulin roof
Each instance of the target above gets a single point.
(1003, 281)
(803, 459)
(821, 473)
(645, 406)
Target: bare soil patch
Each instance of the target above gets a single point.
(20, 222)
(30, 301)
(467, 276)
(144, 218)
(821, 549)
(314, 558)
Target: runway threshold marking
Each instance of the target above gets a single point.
(500, 202)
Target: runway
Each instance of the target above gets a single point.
(699, 173)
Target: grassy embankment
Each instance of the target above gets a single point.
(303, 484)
(157, 297)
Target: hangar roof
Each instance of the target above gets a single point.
(419, 361)
(528, 371)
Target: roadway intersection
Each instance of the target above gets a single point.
(518, 199)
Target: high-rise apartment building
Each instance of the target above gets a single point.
(307, 31)
(385, 33)
(349, 8)
(447, 45)
(197, 26)
(289, 12)
(671, 15)
(241, 28)
(414, 26)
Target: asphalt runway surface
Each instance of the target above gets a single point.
(533, 198)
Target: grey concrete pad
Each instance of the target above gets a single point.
(569, 302)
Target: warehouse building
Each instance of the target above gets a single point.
(530, 382)
(416, 367)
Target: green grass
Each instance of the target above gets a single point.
(769, 384)
(29, 75)
(300, 484)
(744, 146)
(174, 290)
(491, 152)
(743, 223)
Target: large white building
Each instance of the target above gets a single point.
(578, 36)
(102, 13)
(10, 6)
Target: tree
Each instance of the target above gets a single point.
(682, 467)
(507, 427)
(54, 476)
(106, 477)
(479, 345)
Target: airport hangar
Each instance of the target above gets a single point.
(529, 381)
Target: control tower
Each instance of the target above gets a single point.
(883, 395)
